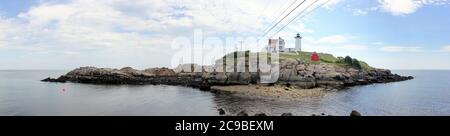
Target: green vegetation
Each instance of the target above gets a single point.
(306, 57)
(328, 59)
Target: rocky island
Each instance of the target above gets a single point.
(295, 71)
(297, 76)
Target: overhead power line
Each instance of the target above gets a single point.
(281, 14)
(301, 14)
(283, 18)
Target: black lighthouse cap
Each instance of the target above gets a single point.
(298, 35)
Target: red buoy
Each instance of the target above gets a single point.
(315, 57)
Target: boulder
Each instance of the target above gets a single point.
(287, 114)
(288, 63)
(355, 113)
(288, 75)
(134, 72)
(52, 80)
(260, 114)
(254, 78)
(221, 78)
(300, 67)
(221, 112)
(244, 78)
(242, 113)
(160, 71)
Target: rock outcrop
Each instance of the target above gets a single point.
(128, 75)
(294, 72)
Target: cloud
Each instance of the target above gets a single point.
(112, 23)
(338, 44)
(446, 48)
(334, 42)
(401, 49)
(299, 27)
(333, 39)
(330, 3)
(359, 12)
(404, 7)
(114, 32)
(399, 7)
(354, 47)
(377, 43)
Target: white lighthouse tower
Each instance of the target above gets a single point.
(298, 42)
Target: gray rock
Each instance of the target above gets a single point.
(245, 78)
(289, 63)
(160, 71)
(242, 113)
(49, 79)
(300, 67)
(355, 113)
(260, 114)
(233, 77)
(287, 114)
(221, 112)
(221, 78)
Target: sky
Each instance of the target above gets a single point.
(66, 34)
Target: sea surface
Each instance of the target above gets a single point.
(22, 94)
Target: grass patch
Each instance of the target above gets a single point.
(325, 58)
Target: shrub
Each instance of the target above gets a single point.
(348, 60)
(356, 64)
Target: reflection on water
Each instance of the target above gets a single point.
(233, 104)
(21, 93)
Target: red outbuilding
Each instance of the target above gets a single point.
(315, 57)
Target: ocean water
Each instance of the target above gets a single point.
(22, 94)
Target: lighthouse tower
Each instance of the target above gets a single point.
(298, 42)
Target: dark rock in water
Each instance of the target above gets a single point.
(242, 113)
(221, 112)
(287, 114)
(355, 113)
(52, 80)
(205, 87)
(260, 114)
(321, 114)
(410, 77)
